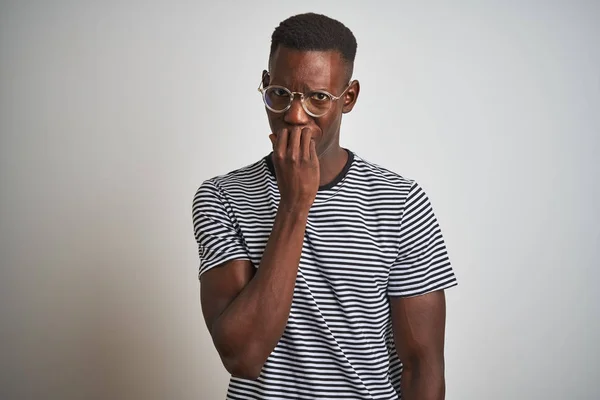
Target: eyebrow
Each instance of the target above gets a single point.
(305, 88)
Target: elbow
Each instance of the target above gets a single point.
(242, 367)
(241, 358)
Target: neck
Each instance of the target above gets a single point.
(331, 164)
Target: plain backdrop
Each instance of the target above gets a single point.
(112, 113)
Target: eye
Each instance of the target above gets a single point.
(279, 92)
(319, 96)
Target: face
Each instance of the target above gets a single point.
(305, 71)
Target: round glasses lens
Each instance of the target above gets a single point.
(318, 103)
(277, 98)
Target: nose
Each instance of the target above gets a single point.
(296, 115)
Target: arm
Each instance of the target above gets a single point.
(246, 312)
(418, 324)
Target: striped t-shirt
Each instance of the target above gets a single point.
(371, 234)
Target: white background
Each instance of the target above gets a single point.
(113, 113)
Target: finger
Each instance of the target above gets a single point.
(294, 143)
(305, 143)
(281, 144)
(313, 150)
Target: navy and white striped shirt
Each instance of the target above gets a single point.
(371, 234)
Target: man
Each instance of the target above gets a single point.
(319, 270)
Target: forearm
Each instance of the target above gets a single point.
(250, 327)
(423, 381)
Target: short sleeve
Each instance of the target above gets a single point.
(422, 265)
(218, 239)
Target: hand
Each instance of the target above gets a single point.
(297, 168)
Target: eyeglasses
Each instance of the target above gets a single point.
(316, 103)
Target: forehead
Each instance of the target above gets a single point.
(301, 69)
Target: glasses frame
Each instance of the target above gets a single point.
(263, 91)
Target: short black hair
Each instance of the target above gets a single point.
(311, 31)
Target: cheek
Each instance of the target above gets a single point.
(275, 121)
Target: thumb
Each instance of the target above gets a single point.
(273, 139)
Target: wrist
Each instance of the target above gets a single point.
(292, 214)
(296, 211)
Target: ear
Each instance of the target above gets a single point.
(351, 96)
(266, 78)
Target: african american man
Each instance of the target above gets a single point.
(322, 274)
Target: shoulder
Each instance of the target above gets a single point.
(376, 176)
(225, 188)
(385, 185)
(243, 178)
